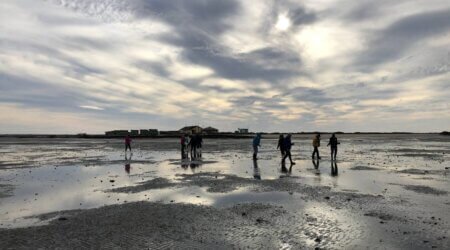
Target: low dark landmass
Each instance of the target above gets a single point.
(224, 135)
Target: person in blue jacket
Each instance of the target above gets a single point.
(256, 144)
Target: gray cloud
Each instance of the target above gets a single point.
(391, 43)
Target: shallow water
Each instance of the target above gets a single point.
(39, 176)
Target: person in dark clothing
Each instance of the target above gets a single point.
(287, 148)
(333, 145)
(199, 145)
(281, 145)
(316, 145)
(127, 143)
(193, 145)
(183, 146)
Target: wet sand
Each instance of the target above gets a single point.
(388, 192)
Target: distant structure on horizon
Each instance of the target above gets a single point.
(198, 130)
(133, 132)
(242, 131)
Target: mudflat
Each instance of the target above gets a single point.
(384, 191)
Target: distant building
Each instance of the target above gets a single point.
(148, 132)
(144, 132)
(191, 130)
(242, 131)
(134, 132)
(210, 130)
(153, 132)
(116, 133)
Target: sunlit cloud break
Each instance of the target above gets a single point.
(266, 65)
(91, 107)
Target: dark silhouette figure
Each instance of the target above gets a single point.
(183, 146)
(199, 145)
(316, 145)
(127, 143)
(194, 146)
(127, 164)
(315, 163)
(281, 145)
(256, 171)
(333, 143)
(256, 144)
(287, 149)
(334, 168)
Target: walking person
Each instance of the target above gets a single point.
(333, 143)
(199, 145)
(316, 145)
(127, 143)
(256, 144)
(193, 144)
(183, 146)
(281, 145)
(287, 149)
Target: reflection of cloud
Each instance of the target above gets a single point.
(270, 65)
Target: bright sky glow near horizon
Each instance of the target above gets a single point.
(71, 66)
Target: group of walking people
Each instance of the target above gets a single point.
(193, 144)
(285, 145)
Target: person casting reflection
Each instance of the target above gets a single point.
(333, 143)
(287, 149)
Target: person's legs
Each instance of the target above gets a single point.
(255, 152)
(285, 155)
(316, 151)
(290, 156)
(182, 151)
(318, 155)
(335, 153)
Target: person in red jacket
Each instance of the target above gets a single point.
(127, 143)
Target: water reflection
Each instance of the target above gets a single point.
(285, 171)
(256, 171)
(127, 164)
(334, 168)
(316, 163)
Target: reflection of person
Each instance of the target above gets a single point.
(333, 143)
(285, 171)
(127, 142)
(256, 172)
(316, 163)
(316, 145)
(256, 144)
(127, 164)
(287, 149)
(281, 145)
(334, 168)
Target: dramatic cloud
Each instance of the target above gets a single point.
(90, 66)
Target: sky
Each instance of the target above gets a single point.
(74, 66)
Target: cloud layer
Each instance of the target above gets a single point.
(267, 65)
